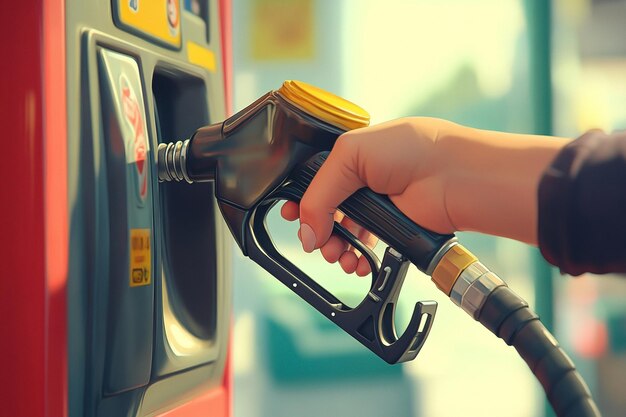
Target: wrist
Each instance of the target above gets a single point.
(454, 147)
(491, 179)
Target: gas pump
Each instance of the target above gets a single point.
(112, 312)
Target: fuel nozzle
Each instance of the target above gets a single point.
(256, 149)
(261, 143)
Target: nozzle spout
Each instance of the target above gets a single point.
(172, 161)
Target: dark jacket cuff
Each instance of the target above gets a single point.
(582, 206)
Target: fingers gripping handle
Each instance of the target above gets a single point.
(376, 213)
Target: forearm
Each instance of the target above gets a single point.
(491, 179)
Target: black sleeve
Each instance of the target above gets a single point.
(582, 206)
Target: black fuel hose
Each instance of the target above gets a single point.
(508, 316)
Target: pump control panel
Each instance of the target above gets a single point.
(149, 311)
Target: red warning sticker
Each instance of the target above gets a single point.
(135, 118)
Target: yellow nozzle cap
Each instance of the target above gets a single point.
(324, 105)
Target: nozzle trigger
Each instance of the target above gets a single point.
(372, 321)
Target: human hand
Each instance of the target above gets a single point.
(398, 158)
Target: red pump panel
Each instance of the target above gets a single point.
(34, 216)
(226, 21)
(33, 212)
(55, 207)
(22, 282)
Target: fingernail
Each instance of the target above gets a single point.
(307, 236)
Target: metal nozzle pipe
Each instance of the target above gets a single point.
(172, 161)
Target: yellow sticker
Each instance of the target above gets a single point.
(201, 56)
(159, 19)
(140, 257)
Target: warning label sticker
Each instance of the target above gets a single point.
(140, 257)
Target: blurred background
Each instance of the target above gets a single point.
(529, 66)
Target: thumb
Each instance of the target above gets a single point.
(336, 180)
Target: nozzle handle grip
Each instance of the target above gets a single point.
(371, 322)
(377, 213)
